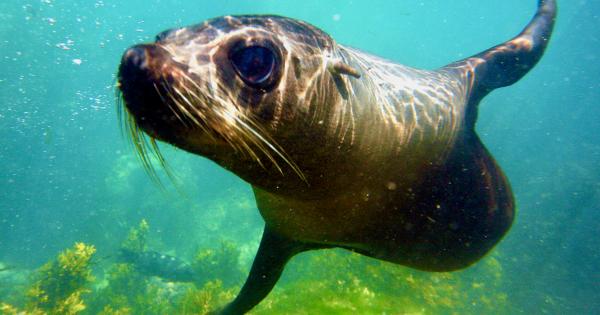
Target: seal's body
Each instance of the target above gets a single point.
(343, 149)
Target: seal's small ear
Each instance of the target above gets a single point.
(338, 67)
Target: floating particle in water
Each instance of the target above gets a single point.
(77, 61)
(63, 46)
(336, 17)
(50, 20)
(66, 46)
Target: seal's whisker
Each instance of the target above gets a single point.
(273, 148)
(192, 115)
(165, 101)
(121, 110)
(145, 149)
(245, 135)
(245, 130)
(247, 147)
(242, 131)
(161, 159)
(140, 143)
(228, 138)
(188, 79)
(251, 133)
(196, 111)
(256, 135)
(181, 106)
(203, 100)
(271, 143)
(184, 109)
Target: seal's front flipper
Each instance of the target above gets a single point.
(273, 253)
(506, 63)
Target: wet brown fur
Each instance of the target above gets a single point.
(342, 148)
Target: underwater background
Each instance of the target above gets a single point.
(73, 193)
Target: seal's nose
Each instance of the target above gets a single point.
(135, 57)
(135, 77)
(142, 75)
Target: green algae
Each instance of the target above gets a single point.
(318, 282)
(137, 237)
(59, 285)
(341, 282)
(220, 264)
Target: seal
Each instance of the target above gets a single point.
(342, 148)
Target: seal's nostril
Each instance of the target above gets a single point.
(135, 56)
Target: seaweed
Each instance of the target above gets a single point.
(126, 291)
(205, 299)
(319, 282)
(137, 237)
(219, 264)
(340, 282)
(60, 283)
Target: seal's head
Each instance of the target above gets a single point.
(230, 89)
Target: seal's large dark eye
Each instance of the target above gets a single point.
(255, 65)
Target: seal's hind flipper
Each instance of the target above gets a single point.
(506, 63)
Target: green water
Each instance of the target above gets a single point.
(68, 175)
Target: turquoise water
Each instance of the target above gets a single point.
(68, 175)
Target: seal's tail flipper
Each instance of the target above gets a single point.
(507, 63)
